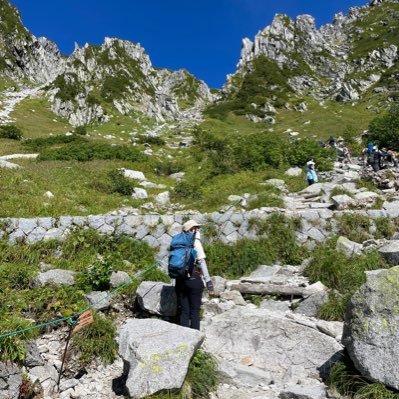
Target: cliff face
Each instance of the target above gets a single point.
(22, 55)
(119, 76)
(96, 80)
(289, 62)
(342, 60)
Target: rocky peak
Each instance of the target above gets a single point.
(118, 76)
(341, 60)
(23, 56)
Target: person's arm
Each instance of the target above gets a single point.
(204, 268)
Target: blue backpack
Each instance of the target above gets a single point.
(182, 255)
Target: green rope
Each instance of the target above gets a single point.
(73, 319)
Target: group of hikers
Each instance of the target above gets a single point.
(379, 159)
(371, 156)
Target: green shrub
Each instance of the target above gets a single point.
(10, 132)
(89, 151)
(97, 275)
(240, 152)
(220, 110)
(335, 308)
(384, 129)
(349, 382)
(385, 227)
(153, 140)
(241, 258)
(68, 86)
(18, 276)
(96, 341)
(354, 226)
(299, 150)
(168, 167)
(202, 374)
(44, 142)
(119, 183)
(48, 303)
(81, 130)
(190, 189)
(12, 348)
(114, 87)
(340, 273)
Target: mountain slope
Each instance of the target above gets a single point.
(118, 77)
(96, 81)
(22, 55)
(290, 61)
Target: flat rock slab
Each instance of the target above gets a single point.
(276, 345)
(157, 354)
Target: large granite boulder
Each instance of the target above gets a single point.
(277, 348)
(157, 298)
(156, 355)
(10, 381)
(390, 252)
(371, 330)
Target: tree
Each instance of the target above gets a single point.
(384, 129)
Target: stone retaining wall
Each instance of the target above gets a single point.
(157, 230)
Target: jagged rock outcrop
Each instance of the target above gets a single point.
(371, 327)
(22, 55)
(340, 61)
(96, 81)
(118, 77)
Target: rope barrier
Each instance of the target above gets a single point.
(73, 319)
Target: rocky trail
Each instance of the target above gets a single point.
(274, 349)
(10, 99)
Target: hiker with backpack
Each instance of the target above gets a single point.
(187, 266)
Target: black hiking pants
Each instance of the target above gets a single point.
(189, 295)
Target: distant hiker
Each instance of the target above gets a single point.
(391, 157)
(311, 175)
(346, 155)
(365, 153)
(370, 148)
(331, 141)
(189, 286)
(376, 159)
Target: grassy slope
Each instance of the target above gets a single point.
(36, 119)
(76, 185)
(330, 119)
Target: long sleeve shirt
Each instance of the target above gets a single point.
(201, 257)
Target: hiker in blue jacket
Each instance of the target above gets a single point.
(189, 289)
(311, 175)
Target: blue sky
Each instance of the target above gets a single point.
(202, 36)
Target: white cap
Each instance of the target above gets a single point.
(190, 224)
